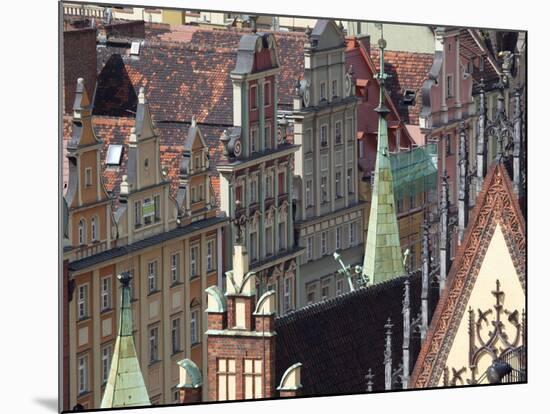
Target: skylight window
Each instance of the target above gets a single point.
(114, 155)
(134, 49)
(409, 97)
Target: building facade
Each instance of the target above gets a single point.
(256, 172)
(329, 215)
(168, 242)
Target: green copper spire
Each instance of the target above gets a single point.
(383, 259)
(125, 386)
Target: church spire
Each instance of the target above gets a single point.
(383, 259)
(125, 385)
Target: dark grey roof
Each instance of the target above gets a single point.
(340, 339)
(142, 244)
(247, 49)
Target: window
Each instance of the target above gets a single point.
(267, 93)
(334, 88)
(324, 247)
(399, 205)
(339, 286)
(267, 136)
(148, 211)
(309, 193)
(324, 190)
(310, 248)
(153, 344)
(137, 213)
(176, 395)
(193, 262)
(253, 190)
(311, 293)
(323, 91)
(114, 154)
(175, 267)
(210, 255)
(88, 176)
(226, 379)
(106, 353)
(252, 378)
(338, 132)
(152, 276)
(197, 163)
(253, 140)
(157, 207)
(82, 374)
(282, 236)
(106, 293)
(81, 232)
(324, 136)
(338, 238)
(448, 145)
(193, 194)
(282, 186)
(449, 86)
(307, 142)
(253, 246)
(411, 201)
(195, 327)
(176, 342)
(253, 97)
(94, 228)
(352, 234)
(201, 192)
(481, 64)
(146, 163)
(287, 291)
(351, 187)
(269, 241)
(325, 289)
(269, 186)
(409, 97)
(338, 184)
(82, 302)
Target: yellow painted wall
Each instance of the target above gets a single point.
(497, 264)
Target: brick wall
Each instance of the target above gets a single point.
(79, 61)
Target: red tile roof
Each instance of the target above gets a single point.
(407, 70)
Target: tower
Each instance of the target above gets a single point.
(383, 259)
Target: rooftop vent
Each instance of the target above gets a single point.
(114, 155)
(409, 97)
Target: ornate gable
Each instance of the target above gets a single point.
(496, 219)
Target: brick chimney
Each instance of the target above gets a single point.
(240, 337)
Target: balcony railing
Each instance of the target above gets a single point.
(89, 249)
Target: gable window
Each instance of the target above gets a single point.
(324, 189)
(148, 211)
(338, 238)
(323, 91)
(197, 162)
(253, 97)
(309, 193)
(195, 327)
(106, 293)
(157, 207)
(352, 234)
(338, 132)
(82, 302)
(226, 379)
(94, 228)
(252, 378)
(338, 184)
(82, 374)
(81, 232)
(310, 248)
(334, 88)
(351, 188)
(106, 353)
(153, 344)
(449, 86)
(210, 256)
(175, 267)
(311, 290)
(88, 176)
(267, 94)
(176, 342)
(324, 136)
(324, 247)
(137, 213)
(193, 262)
(152, 276)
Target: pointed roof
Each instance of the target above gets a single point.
(383, 259)
(125, 386)
(496, 205)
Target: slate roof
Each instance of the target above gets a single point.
(338, 340)
(407, 70)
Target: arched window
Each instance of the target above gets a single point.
(95, 224)
(81, 232)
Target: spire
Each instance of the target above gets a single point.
(463, 190)
(444, 239)
(125, 385)
(387, 356)
(383, 258)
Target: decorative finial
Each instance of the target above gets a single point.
(297, 87)
(225, 141)
(141, 96)
(193, 121)
(308, 32)
(80, 81)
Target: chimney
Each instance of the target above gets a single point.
(190, 385)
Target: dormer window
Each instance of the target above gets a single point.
(114, 155)
(409, 97)
(88, 176)
(254, 97)
(197, 162)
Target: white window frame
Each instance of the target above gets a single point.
(210, 256)
(152, 276)
(349, 174)
(106, 355)
(309, 247)
(175, 330)
(325, 283)
(154, 344)
(252, 378)
(287, 294)
(195, 327)
(82, 365)
(338, 132)
(338, 238)
(193, 265)
(94, 225)
(158, 208)
(175, 267)
(322, 90)
(254, 92)
(82, 231)
(338, 184)
(324, 189)
(352, 237)
(88, 177)
(324, 243)
(138, 214)
(105, 293)
(324, 135)
(309, 192)
(226, 374)
(82, 301)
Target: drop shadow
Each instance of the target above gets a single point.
(49, 403)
